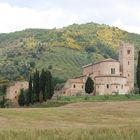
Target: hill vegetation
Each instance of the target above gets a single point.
(62, 51)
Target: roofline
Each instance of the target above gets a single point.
(105, 60)
(69, 80)
(87, 65)
(76, 82)
(113, 60)
(110, 76)
(79, 76)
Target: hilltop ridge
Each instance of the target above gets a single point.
(63, 51)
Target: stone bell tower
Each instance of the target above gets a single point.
(126, 58)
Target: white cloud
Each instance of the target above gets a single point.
(14, 18)
(21, 14)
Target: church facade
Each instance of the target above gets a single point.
(110, 76)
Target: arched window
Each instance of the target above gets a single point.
(74, 86)
(107, 85)
(128, 51)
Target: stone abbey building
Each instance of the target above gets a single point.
(110, 76)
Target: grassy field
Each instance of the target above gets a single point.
(63, 100)
(118, 120)
(99, 98)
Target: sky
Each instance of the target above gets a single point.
(16, 15)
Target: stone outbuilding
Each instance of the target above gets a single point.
(13, 90)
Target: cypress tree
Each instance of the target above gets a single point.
(89, 85)
(4, 102)
(42, 85)
(36, 88)
(27, 97)
(21, 99)
(4, 87)
(30, 91)
(138, 72)
(49, 85)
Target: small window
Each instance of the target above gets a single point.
(112, 70)
(15, 91)
(15, 97)
(128, 74)
(74, 86)
(128, 51)
(98, 86)
(122, 86)
(128, 62)
(107, 85)
(82, 86)
(116, 86)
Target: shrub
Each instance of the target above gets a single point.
(59, 97)
(106, 97)
(86, 98)
(128, 96)
(78, 94)
(50, 67)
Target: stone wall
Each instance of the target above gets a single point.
(111, 84)
(13, 90)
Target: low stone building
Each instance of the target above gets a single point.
(110, 76)
(13, 90)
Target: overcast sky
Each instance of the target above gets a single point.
(17, 15)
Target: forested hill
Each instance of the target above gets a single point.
(63, 51)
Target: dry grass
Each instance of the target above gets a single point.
(98, 120)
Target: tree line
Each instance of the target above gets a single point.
(40, 88)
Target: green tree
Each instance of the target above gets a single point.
(89, 85)
(30, 91)
(4, 87)
(42, 85)
(36, 88)
(21, 99)
(138, 72)
(4, 102)
(27, 97)
(49, 90)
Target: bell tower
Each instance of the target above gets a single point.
(126, 58)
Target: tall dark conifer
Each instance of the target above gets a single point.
(30, 91)
(49, 85)
(36, 88)
(27, 95)
(37, 85)
(21, 99)
(89, 85)
(42, 84)
(138, 72)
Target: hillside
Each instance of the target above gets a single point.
(63, 51)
